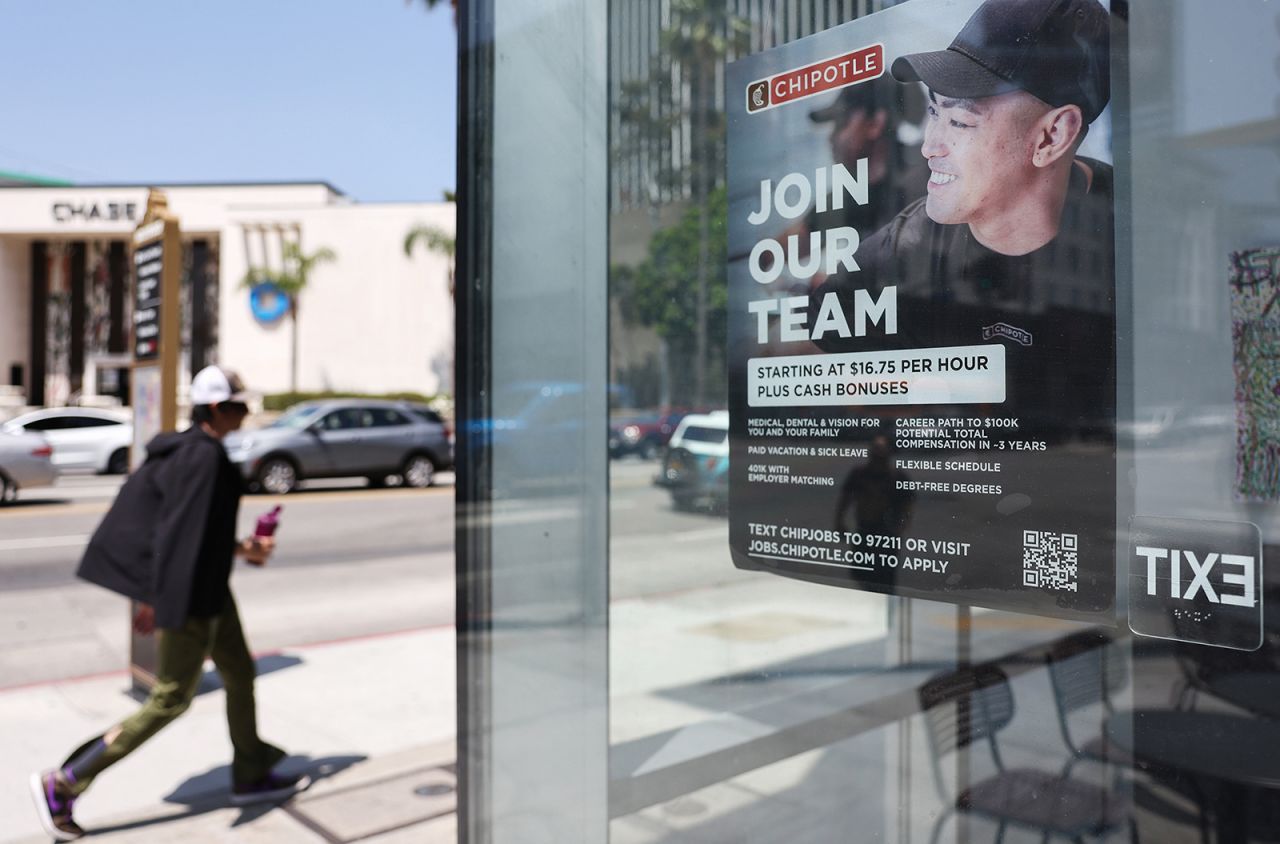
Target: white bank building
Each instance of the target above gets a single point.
(373, 320)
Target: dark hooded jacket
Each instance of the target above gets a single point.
(169, 538)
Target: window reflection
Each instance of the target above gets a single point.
(751, 708)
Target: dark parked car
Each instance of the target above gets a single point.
(645, 434)
(343, 438)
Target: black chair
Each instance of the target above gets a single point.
(1086, 671)
(970, 706)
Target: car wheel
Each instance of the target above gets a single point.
(649, 450)
(419, 472)
(8, 490)
(118, 463)
(277, 476)
(683, 502)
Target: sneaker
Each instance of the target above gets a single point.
(53, 805)
(271, 788)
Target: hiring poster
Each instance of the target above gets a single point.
(922, 309)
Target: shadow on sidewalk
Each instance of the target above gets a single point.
(210, 792)
(266, 664)
(210, 681)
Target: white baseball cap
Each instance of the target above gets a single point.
(215, 385)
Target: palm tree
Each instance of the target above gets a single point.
(431, 4)
(291, 281)
(436, 240)
(700, 37)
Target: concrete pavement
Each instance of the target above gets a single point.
(372, 718)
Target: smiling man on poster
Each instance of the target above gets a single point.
(1015, 226)
(1010, 101)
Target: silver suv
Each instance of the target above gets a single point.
(342, 438)
(695, 469)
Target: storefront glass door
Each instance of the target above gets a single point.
(1002, 574)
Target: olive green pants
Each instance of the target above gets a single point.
(180, 663)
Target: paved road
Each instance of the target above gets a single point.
(335, 523)
(41, 537)
(351, 562)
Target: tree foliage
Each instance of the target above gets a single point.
(291, 279)
(680, 289)
(701, 38)
(436, 240)
(662, 292)
(295, 273)
(431, 4)
(682, 87)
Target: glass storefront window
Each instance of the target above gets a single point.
(623, 678)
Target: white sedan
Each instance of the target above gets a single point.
(24, 462)
(83, 438)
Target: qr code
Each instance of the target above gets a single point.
(1049, 560)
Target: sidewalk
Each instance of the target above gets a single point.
(373, 719)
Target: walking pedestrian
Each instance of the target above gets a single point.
(168, 543)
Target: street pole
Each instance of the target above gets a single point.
(157, 336)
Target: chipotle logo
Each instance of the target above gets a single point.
(812, 79)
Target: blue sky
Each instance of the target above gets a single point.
(360, 93)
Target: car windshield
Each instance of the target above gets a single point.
(705, 435)
(298, 416)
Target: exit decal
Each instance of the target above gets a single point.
(1196, 581)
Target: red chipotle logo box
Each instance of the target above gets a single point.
(814, 79)
(921, 307)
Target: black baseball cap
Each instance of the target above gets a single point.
(1057, 50)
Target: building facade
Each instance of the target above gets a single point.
(65, 289)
